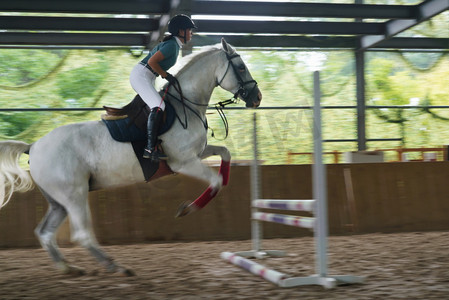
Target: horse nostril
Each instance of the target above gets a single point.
(259, 96)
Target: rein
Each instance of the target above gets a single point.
(218, 106)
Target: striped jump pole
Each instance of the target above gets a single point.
(253, 267)
(298, 205)
(318, 223)
(296, 221)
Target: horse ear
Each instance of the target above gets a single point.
(226, 47)
(224, 44)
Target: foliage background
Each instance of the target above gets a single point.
(88, 78)
(32, 78)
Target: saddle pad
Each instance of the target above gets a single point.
(123, 130)
(169, 118)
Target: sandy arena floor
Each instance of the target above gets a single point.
(396, 266)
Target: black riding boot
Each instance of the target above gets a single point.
(154, 121)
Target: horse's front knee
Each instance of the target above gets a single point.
(225, 154)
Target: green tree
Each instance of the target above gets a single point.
(22, 67)
(391, 86)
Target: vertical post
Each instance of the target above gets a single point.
(360, 93)
(256, 226)
(361, 104)
(319, 183)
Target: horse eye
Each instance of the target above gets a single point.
(242, 68)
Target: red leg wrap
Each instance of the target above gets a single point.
(205, 197)
(210, 193)
(224, 171)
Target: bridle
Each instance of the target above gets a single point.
(242, 91)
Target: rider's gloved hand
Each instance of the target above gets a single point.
(170, 78)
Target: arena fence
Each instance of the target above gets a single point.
(362, 198)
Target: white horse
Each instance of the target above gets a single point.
(74, 159)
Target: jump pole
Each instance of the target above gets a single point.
(319, 224)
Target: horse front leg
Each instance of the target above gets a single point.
(195, 168)
(211, 150)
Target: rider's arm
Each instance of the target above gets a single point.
(154, 61)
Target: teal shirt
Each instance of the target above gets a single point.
(170, 50)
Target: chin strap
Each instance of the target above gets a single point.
(183, 37)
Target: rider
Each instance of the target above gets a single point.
(156, 63)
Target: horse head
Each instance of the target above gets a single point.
(237, 79)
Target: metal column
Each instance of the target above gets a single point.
(319, 182)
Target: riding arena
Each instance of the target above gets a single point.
(91, 219)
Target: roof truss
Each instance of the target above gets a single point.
(105, 29)
(422, 12)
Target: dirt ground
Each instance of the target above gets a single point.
(395, 266)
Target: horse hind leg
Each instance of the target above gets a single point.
(82, 233)
(81, 229)
(46, 234)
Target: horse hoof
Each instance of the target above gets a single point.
(183, 210)
(126, 272)
(73, 271)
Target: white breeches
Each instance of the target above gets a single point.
(142, 80)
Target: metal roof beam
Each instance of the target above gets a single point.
(249, 41)
(78, 24)
(292, 9)
(424, 11)
(415, 43)
(257, 41)
(325, 42)
(98, 39)
(84, 6)
(287, 27)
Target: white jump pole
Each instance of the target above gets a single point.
(256, 226)
(319, 182)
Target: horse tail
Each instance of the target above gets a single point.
(12, 177)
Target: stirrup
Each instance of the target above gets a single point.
(147, 153)
(154, 155)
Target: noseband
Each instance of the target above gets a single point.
(242, 91)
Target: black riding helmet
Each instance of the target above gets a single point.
(180, 22)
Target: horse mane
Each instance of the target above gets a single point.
(191, 59)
